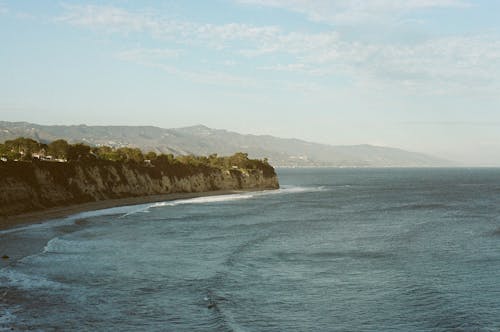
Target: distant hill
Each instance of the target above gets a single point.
(201, 140)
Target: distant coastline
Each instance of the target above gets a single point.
(202, 140)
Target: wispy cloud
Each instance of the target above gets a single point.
(114, 19)
(436, 66)
(353, 11)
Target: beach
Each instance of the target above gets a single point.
(16, 245)
(64, 211)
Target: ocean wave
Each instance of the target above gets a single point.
(17, 279)
(143, 208)
(222, 198)
(71, 219)
(59, 245)
(119, 210)
(204, 200)
(290, 189)
(41, 226)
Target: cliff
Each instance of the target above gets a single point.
(35, 186)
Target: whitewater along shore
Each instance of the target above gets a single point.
(7, 222)
(36, 191)
(15, 244)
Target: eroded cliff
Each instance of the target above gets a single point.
(32, 186)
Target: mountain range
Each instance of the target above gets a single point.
(201, 140)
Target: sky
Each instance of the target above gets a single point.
(422, 75)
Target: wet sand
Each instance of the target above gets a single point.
(17, 245)
(64, 211)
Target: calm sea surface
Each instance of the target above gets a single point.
(333, 250)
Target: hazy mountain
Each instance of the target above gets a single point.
(201, 140)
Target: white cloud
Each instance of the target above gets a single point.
(444, 65)
(354, 11)
(114, 19)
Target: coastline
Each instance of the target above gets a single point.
(16, 245)
(37, 217)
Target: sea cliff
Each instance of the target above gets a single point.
(36, 186)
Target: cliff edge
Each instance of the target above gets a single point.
(39, 185)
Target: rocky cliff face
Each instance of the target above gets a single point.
(26, 187)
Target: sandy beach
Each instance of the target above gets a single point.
(17, 245)
(63, 211)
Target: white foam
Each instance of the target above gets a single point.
(56, 245)
(81, 215)
(43, 225)
(227, 198)
(13, 278)
(293, 190)
(205, 200)
(143, 208)
(128, 209)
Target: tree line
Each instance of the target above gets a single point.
(27, 149)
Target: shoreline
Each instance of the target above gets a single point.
(18, 245)
(38, 217)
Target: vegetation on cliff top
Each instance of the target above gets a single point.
(29, 150)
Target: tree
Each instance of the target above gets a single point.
(239, 159)
(164, 160)
(3, 150)
(24, 146)
(106, 153)
(78, 151)
(151, 155)
(58, 149)
(130, 154)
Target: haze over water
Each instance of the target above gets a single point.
(333, 250)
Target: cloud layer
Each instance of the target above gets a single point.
(355, 12)
(444, 65)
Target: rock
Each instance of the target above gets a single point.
(26, 187)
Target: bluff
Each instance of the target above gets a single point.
(34, 186)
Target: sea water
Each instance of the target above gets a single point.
(333, 250)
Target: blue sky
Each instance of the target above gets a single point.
(422, 75)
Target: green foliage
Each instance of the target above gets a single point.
(130, 154)
(58, 149)
(121, 154)
(164, 160)
(24, 146)
(79, 151)
(3, 149)
(106, 153)
(188, 164)
(21, 149)
(27, 156)
(151, 155)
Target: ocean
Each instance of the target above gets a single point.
(332, 250)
